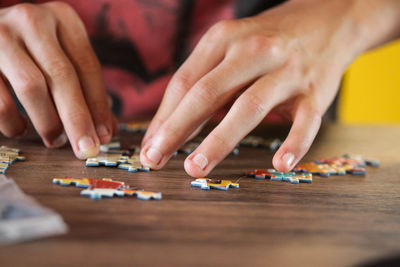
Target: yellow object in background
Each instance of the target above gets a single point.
(370, 91)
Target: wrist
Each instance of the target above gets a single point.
(375, 22)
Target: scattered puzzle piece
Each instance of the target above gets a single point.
(257, 141)
(112, 145)
(319, 169)
(272, 174)
(364, 161)
(78, 182)
(98, 193)
(350, 166)
(106, 187)
(206, 184)
(133, 164)
(109, 160)
(8, 156)
(144, 195)
(260, 174)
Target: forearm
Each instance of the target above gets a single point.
(377, 21)
(371, 22)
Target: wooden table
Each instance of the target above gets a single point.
(341, 220)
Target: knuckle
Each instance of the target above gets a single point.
(222, 143)
(253, 104)
(6, 36)
(29, 89)
(220, 30)
(29, 84)
(180, 85)
(205, 92)
(26, 13)
(266, 45)
(60, 70)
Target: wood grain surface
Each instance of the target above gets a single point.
(336, 221)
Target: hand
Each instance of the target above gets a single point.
(46, 57)
(288, 60)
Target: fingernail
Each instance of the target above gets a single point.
(288, 158)
(87, 147)
(200, 160)
(102, 131)
(154, 155)
(59, 141)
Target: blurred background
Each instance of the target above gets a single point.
(371, 88)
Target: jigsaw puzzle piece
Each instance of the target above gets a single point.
(3, 167)
(109, 160)
(133, 164)
(206, 184)
(108, 183)
(298, 178)
(8, 156)
(78, 182)
(98, 193)
(365, 161)
(349, 165)
(143, 195)
(274, 175)
(261, 174)
(324, 170)
(112, 145)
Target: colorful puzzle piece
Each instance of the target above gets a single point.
(98, 193)
(144, 195)
(109, 160)
(134, 127)
(8, 156)
(206, 184)
(106, 187)
(257, 141)
(112, 145)
(364, 161)
(272, 174)
(133, 164)
(351, 166)
(78, 182)
(319, 169)
(260, 174)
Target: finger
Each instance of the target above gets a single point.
(206, 96)
(64, 87)
(208, 53)
(245, 114)
(74, 40)
(307, 121)
(31, 89)
(11, 122)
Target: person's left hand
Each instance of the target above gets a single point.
(289, 60)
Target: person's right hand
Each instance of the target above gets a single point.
(46, 57)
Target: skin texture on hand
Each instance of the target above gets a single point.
(288, 60)
(46, 57)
